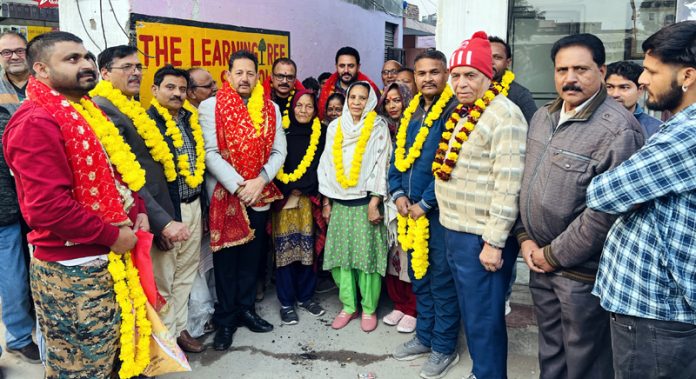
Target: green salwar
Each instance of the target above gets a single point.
(370, 286)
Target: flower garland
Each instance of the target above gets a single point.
(402, 161)
(255, 106)
(195, 178)
(414, 235)
(144, 125)
(117, 149)
(286, 112)
(135, 354)
(354, 175)
(306, 160)
(446, 160)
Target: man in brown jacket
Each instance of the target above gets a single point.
(570, 141)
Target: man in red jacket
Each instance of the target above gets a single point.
(77, 205)
(347, 73)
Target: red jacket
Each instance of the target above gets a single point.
(35, 152)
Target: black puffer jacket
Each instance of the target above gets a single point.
(9, 207)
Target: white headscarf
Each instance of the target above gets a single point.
(373, 172)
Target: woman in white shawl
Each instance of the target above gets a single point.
(353, 179)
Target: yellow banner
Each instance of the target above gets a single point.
(33, 31)
(187, 44)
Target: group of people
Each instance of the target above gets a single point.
(434, 184)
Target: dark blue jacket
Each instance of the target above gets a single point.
(649, 124)
(418, 182)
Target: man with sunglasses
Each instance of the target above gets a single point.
(14, 284)
(201, 86)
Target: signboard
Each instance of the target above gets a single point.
(186, 44)
(28, 31)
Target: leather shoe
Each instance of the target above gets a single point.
(254, 323)
(188, 343)
(29, 353)
(223, 338)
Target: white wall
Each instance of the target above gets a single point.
(454, 21)
(70, 21)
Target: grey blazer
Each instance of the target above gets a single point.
(160, 209)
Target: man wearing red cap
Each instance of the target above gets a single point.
(478, 169)
(412, 187)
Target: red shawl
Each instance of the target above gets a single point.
(267, 90)
(93, 178)
(330, 85)
(247, 152)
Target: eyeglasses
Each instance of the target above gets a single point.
(282, 77)
(206, 86)
(129, 67)
(389, 72)
(7, 53)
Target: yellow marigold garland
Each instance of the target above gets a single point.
(134, 352)
(286, 112)
(255, 106)
(414, 235)
(307, 159)
(403, 161)
(144, 125)
(450, 144)
(195, 178)
(117, 149)
(354, 174)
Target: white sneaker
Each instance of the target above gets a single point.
(508, 309)
(393, 317)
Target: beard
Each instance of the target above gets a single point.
(667, 101)
(352, 79)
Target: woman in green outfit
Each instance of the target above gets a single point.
(352, 177)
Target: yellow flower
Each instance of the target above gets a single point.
(195, 178)
(307, 159)
(354, 173)
(414, 235)
(286, 112)
(255, 106)
(403, 161)
(116, 148)
(144, 125)
(135, 352)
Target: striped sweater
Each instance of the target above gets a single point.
(481, 197)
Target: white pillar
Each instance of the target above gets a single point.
(457, 20)
(91, 19)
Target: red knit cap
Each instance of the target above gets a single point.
(474, 52)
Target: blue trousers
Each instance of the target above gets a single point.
(295, 283)
(482, 301)
(436, 297)
(14, 289)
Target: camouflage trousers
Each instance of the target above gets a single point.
(79, 318)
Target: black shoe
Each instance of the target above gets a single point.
(255, 323)
(29, 353)
(312, 307)
(288, 316)
(223, 338)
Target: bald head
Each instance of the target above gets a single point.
(389, 71)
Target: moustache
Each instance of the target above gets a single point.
(177, 98)
(134, 79)
(244, 84)
(285, 85)
(87, 73)
(571, 87)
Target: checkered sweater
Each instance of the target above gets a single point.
(481, 197)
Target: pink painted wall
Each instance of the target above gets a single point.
(317, 27)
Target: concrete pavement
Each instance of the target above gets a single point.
(311, 349)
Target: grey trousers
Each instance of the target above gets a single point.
(574, 334)
(653, 349)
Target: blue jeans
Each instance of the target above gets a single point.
(482, 300)
(436, 298)
(14, 289)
